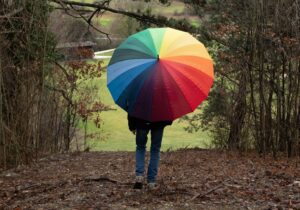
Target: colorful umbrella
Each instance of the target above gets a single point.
(160, 74)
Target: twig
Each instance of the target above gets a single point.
(101, 178)
(9, 32)
(16, 11)
(209, 191)
(177, 191)
(26, 187)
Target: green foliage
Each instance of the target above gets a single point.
(217, 105)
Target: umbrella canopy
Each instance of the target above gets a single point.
(160, 74)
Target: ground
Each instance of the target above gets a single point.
(188, 179)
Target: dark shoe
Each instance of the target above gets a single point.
(138, 185)
(138, 182)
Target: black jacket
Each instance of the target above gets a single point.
(136, 123)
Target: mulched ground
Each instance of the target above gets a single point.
(188, 179)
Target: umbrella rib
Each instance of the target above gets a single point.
(148, 79)
(166, 89)
(113, 61)
(153, 44)
(176, 39)
(157, 38)
(172, 77)
(142, 72)
(176, 61)
(126, 71)
(179, 49)
(135, 50)
(136, 39)
(125, 87)
(183, 75)
(206, 94)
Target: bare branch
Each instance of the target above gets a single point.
(79, 10)
(88, 21)
(62, 68)
(145, 18)
(62, 92)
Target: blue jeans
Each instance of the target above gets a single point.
(141, 141)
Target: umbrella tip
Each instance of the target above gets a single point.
(157, 57)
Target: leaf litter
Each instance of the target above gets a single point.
(188, 179)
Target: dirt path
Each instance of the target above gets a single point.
(189, 179)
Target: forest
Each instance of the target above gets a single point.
(251, 115)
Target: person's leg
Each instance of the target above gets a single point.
(141, 141)
(156, 138)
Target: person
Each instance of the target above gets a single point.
(141, 129)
